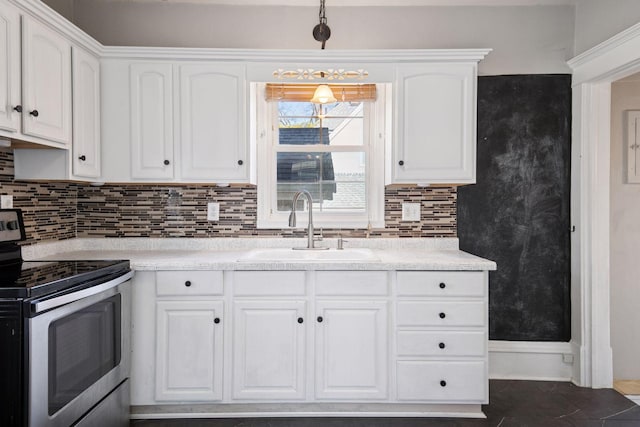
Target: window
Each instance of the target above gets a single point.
(334, 151)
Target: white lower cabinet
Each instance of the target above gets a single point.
(268, 350)
(189, 351)
(351, 350)
(311, 339)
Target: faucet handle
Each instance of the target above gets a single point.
(320, 237)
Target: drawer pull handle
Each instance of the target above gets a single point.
(401, 162)
(320, 319)
(82, 158)
(240, 162)
(34, 113)
(18, 108)
(442, 315)
(167, 162)
(216, 320)
(300, 320)
(187, 283)
(442, 285)
(441, 345)
(443, 383)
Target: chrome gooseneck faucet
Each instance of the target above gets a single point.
(292, 217)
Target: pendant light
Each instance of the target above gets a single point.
(323, 95)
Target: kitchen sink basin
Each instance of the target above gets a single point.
(293, 255)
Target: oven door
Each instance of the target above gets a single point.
(79, 346)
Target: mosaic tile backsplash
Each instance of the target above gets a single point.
(57, 211)
(49, 208)
(170, 211)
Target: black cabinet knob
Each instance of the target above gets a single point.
(34, 113)
(187, 283)
(442, 315)
(216, 320)
(401, 162)
(18, 108)
(443, 383)
(300, 320)
(167, 162)
(442, 286)
(240, 162)
(320, 319)
(441, 345)
(82, 158)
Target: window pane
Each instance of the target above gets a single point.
(336, 181)
(342, 123)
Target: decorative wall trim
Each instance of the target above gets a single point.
(528, 360)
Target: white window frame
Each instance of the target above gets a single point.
(265, 135)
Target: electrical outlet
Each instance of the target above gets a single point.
(213, 211)
(411, 211)
(6, 201)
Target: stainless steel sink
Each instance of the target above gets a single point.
(291, 255)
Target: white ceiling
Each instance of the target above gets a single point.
(333, 3)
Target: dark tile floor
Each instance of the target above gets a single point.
(512, 403)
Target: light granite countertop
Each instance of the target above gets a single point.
(255, 254)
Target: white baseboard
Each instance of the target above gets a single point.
(531, 360)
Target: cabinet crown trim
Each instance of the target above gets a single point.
(297, 55)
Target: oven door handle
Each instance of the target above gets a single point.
(41, 306)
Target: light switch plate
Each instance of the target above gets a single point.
(411, 211)
(213, 211)
(6, 201)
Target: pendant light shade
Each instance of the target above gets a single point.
(323, 95)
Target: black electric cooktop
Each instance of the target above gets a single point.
(27, 279)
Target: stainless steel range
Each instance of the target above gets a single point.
(64, 337)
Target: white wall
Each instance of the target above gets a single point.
(624, 239)
(525, 39)
(598, 20)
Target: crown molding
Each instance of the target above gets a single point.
(285, 56)
(43, 13)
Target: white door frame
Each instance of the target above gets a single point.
(593, 72)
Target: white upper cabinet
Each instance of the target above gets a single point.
(435, 122)
(86, 114)
(9, 68)
(46, 82)
(151, 121)
(213, 124)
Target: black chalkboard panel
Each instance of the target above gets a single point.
(518, 212)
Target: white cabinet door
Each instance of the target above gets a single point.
(151, 121)
(435, 124)
(268, 350)
(86, 114)
(46, 80)
(9, 68)
(212, 122)
(189, 351)
(351, 350)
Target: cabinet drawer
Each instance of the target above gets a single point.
(257, 283)
(441, 313)
(182, 283)
(442, 381)
(345, 283)
(441, 343)
(441, 283)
